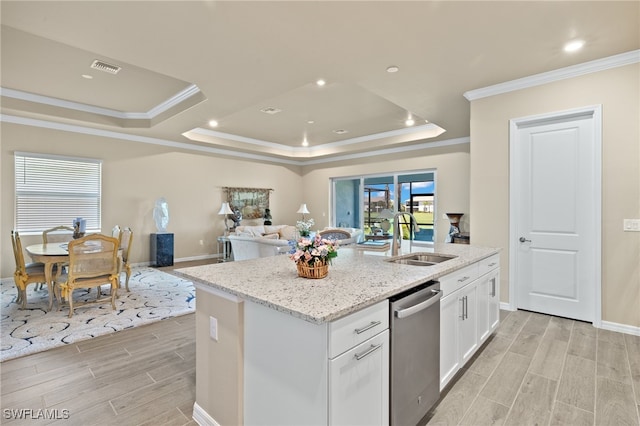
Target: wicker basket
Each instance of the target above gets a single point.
(306, 271)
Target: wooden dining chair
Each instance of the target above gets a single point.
(126, 238)
(93, 262)
(59, 234)
(25, 273)
(116, 232)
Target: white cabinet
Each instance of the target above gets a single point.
(469, 313)
(359, 384)
(493, 279)
(468, 322)
(488, 304)
(449, 330)
(296, 372)
(484, 293)
(359, 368)
(458, 330)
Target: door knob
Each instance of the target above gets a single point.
(523, 239)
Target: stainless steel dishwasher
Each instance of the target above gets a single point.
(415, 353)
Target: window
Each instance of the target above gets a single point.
(368, 201)
(53, 191)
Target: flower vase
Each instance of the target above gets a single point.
(319, 270)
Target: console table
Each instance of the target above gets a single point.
(226, 248)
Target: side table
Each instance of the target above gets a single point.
(226, 248)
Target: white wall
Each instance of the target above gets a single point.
(136, 174)
(452, 186)
(617, 90)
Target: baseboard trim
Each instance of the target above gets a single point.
(202, 417)
(621, 328)
(182, 259)
(605, 325)
(506, 307)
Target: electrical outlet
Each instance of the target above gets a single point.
(631, 225)
(213, 328)
(201, 242)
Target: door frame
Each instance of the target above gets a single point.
(595, 112)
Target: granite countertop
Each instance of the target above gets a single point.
(357, 279)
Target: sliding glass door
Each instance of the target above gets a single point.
(370, 202)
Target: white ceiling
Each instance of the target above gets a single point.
(185, 63)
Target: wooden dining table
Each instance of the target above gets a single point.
(49, 254)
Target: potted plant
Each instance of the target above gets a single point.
(313, 256)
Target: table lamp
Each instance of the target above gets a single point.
(303, 210)
(226, 210)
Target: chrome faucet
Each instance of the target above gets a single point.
(397, 233)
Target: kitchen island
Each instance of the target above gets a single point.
(265, 337)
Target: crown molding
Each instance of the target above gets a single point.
(31, 122)
(433, 130)
(597, 65)
(176, 99)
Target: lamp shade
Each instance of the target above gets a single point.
(303, 209)
(225, 209)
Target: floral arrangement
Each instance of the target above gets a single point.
(313, 251)
(304, 227)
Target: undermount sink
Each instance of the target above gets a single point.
(421, 259)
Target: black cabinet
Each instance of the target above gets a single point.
(162, 249)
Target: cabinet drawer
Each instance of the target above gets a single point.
(458, 279)
(354, 329)
(489, 264)
(359, 384)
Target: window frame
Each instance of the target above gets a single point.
(52, 190)
(396, 196)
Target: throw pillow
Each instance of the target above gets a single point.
(287, 232)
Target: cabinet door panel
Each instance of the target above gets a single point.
(468, 326)
(449, 319)
(359, 384)
(493, 284)
(484, 293)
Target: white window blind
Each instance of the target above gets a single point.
(52, 191)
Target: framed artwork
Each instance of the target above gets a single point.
(250, 202)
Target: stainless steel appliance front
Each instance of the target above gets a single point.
(415, 353)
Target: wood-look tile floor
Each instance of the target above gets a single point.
(140, 376)
(542, 370)
(536, 369)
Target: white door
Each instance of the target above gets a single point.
(555, 196)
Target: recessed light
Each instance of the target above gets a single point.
(213, 123)
(393, 68)
(409, 122)
(310, 121)
(340, 131)
(574, 45)
(270, 110)
(321, 82)
(87, 76)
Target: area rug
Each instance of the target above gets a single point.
(154, 296)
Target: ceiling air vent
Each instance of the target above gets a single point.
(270, 110)
(103, 66)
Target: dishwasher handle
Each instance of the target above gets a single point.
(403, 313)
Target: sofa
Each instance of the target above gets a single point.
(250, 242)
